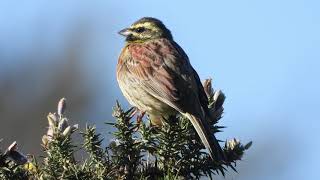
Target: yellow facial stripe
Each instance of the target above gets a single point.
(147, 25)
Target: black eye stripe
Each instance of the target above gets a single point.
(140, 29)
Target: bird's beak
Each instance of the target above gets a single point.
(125, 32)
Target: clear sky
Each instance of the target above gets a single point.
(265, 56)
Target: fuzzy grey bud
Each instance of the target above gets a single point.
(74, 127)
(231, 144)
(63, 124)
(50, 132)
(67, 131)
(207, 85)
(13, 153)
(52, 120)
(62, 105)
(218, 98)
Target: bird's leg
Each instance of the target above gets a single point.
(140, 114)
(136, 110)
(139, 117)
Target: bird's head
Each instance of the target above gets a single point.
(145, 29)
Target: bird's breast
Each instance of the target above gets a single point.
(136, 65)
(137, 96)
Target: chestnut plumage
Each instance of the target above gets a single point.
(155, 75)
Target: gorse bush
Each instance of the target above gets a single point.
(139, 150)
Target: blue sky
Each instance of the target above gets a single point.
(265, 56)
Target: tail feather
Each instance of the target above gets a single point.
(208, 139)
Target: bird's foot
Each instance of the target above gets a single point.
(140, 114)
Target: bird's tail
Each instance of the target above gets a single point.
(207, 138)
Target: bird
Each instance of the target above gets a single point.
(155, 76)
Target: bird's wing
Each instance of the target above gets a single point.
(201, 93)
(164, 71)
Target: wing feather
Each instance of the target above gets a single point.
(164, 71)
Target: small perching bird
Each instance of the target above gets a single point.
(155, 75)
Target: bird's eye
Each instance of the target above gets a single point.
(140, 29)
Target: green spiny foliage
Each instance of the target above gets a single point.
(98, 163)
(139, 150)
(126, 149)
